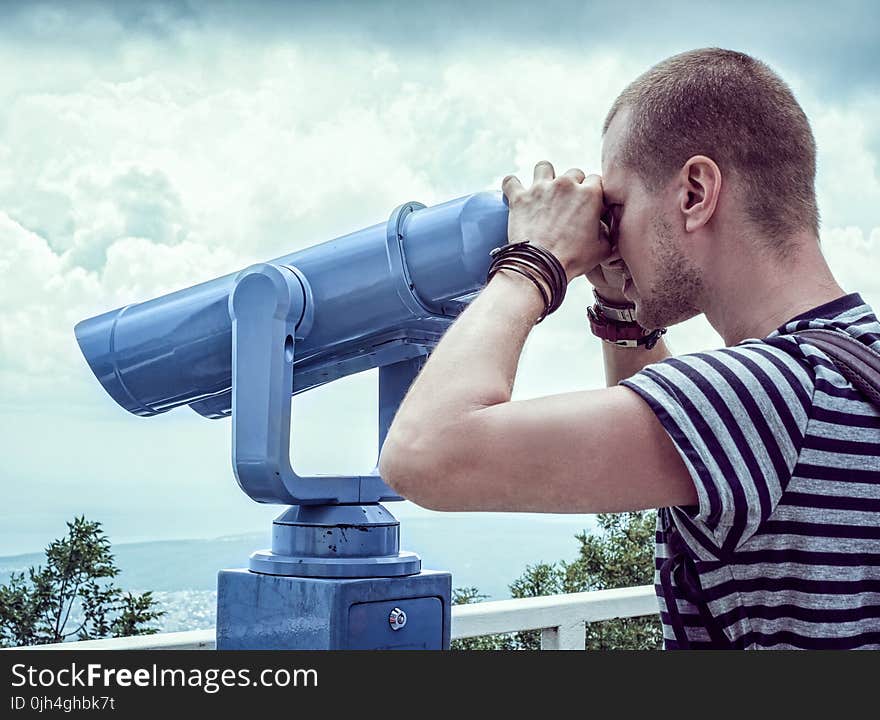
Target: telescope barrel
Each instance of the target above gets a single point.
(177, 349)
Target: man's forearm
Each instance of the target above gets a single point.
(624, 362)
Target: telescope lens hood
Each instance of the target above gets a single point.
(95, 338)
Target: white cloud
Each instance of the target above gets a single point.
(249, 151)
(201, 157)
(848, 183)
(130, 183)
(853, 256)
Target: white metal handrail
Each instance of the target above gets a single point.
(560, 618)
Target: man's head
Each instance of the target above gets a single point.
(708, 145)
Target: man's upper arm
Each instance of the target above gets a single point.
(717, 434)
(582, 452)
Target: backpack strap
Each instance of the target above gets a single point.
(857, 362)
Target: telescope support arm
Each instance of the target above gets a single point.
(270, 308)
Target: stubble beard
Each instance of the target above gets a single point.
(677, 286)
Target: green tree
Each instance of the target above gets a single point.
(620, 554)
(73, 595)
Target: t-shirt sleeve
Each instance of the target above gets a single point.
(737, 417)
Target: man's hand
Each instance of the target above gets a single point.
(561, 214)
(608, 278)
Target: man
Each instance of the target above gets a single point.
(762, 458)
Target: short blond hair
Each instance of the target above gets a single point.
(736, 110)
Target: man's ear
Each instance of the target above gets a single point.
(700, 188)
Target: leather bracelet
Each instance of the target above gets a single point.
(536, 263)
(548, 266)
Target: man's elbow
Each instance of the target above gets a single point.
(391, 467)
(413, 471)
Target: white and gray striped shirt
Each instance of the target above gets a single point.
(783, 548)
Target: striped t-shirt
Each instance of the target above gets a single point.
(783, 548)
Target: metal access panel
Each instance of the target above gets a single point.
(413, 624)
(256, 611)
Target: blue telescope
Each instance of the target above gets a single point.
(243, 344)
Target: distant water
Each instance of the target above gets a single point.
(486, 551)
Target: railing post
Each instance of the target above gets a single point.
(564, 637)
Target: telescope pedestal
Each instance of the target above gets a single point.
(335, 579)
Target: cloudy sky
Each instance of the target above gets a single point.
(146, 147)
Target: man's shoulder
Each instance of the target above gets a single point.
(769, 365)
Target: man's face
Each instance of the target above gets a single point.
(664, 285)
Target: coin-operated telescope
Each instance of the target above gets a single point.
(242, 345)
